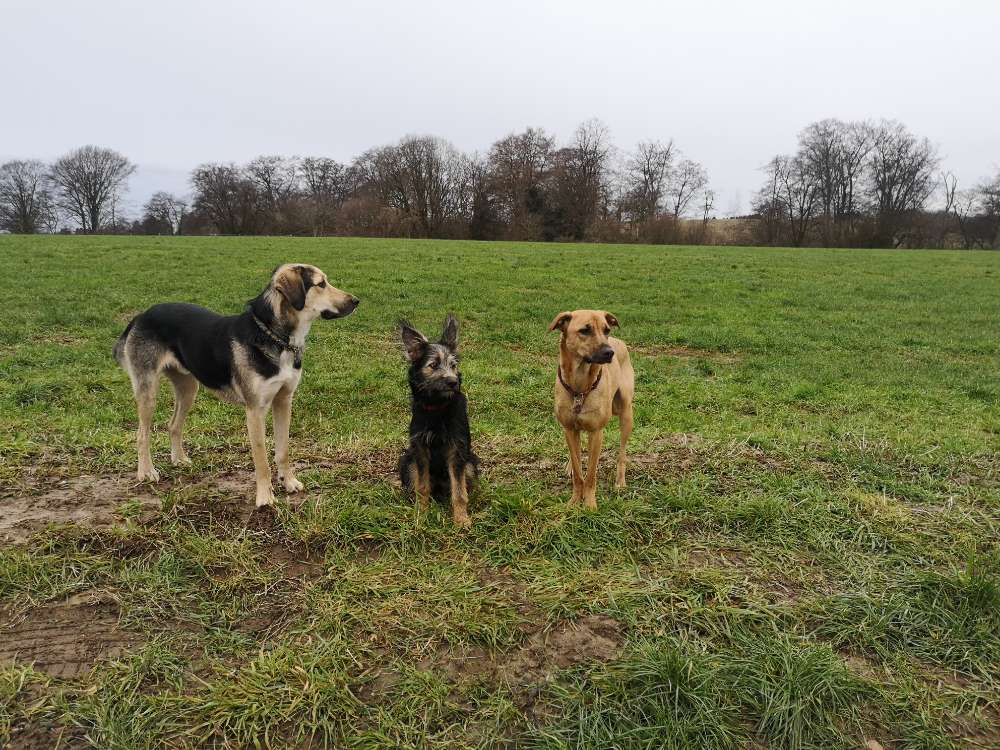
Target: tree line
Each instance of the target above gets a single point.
(863, 184)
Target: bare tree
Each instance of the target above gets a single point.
(165, 211)
(88, 182)
(834, 152)
(900, 177)
(326, 185)
(26, 205)
(518, 164)
(229, 199)
(647, 175)
(689, 179)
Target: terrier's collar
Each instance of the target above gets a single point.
(434, 407)
(579, 396)
(281, 341)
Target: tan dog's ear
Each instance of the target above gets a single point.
(612, 320)
(560, 321)
(292, 287)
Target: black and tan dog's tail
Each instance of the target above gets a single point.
(119, 349)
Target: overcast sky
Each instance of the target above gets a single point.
(175, 84)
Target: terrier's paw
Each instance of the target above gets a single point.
(148, 475)
(292, 485)
(463, 522)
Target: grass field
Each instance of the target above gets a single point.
(806, 555)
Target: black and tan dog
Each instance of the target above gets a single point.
(439, 461)
(594, 381)
(253, 359)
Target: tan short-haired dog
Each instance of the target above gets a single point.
(594, 381)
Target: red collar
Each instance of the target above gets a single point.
(434, 407)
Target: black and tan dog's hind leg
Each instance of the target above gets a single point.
(144, 387)
(185, 391)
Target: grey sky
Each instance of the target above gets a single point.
(175, 84)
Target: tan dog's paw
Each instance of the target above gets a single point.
(265, 497)
(181, 460)
(148, 475)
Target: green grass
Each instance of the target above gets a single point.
(806, 555)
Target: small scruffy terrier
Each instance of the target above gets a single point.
(439, 461)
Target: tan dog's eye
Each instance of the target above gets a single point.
(322, 285)
(607, 331)
(585, 331)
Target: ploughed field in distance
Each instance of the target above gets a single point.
(805, 556)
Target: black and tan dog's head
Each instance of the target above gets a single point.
(433, 366)
(303, 292)
(585, 334)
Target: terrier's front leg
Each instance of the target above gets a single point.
(459, 494)
(420, 482)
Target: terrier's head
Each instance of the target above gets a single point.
(434, 370)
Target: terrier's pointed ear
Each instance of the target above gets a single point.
(449, 334)
(612, 320)
(560, 321)
(292, 287)
(414, 342)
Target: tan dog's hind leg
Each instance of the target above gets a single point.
(282, 409)
(459, 497)
(145, 400)
(185, 390)
(573, 442)
(625, 422)
(258, 449)
(420, 482)
(593, 459)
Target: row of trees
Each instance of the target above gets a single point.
(848, 184)
(869, 184)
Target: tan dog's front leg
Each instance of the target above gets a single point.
(593, 458)
(258, 449)
(282, 408)
(573, 441)
(459, 496)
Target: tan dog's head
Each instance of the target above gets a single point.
(585, 334)
(306, 290)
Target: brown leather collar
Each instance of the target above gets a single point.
(580, 396)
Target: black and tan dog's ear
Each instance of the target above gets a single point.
(560, 321)
(449, 334)
(612, 320)
(292, 287)
(414, 342)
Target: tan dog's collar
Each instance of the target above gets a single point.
(579, 396)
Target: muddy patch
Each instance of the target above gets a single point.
(64, 639)
(525, 670)
(87, 501)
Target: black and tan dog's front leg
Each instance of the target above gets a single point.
(282, 411)
(258, 449)
(459, 477)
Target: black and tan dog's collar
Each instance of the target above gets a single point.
(282, 342)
